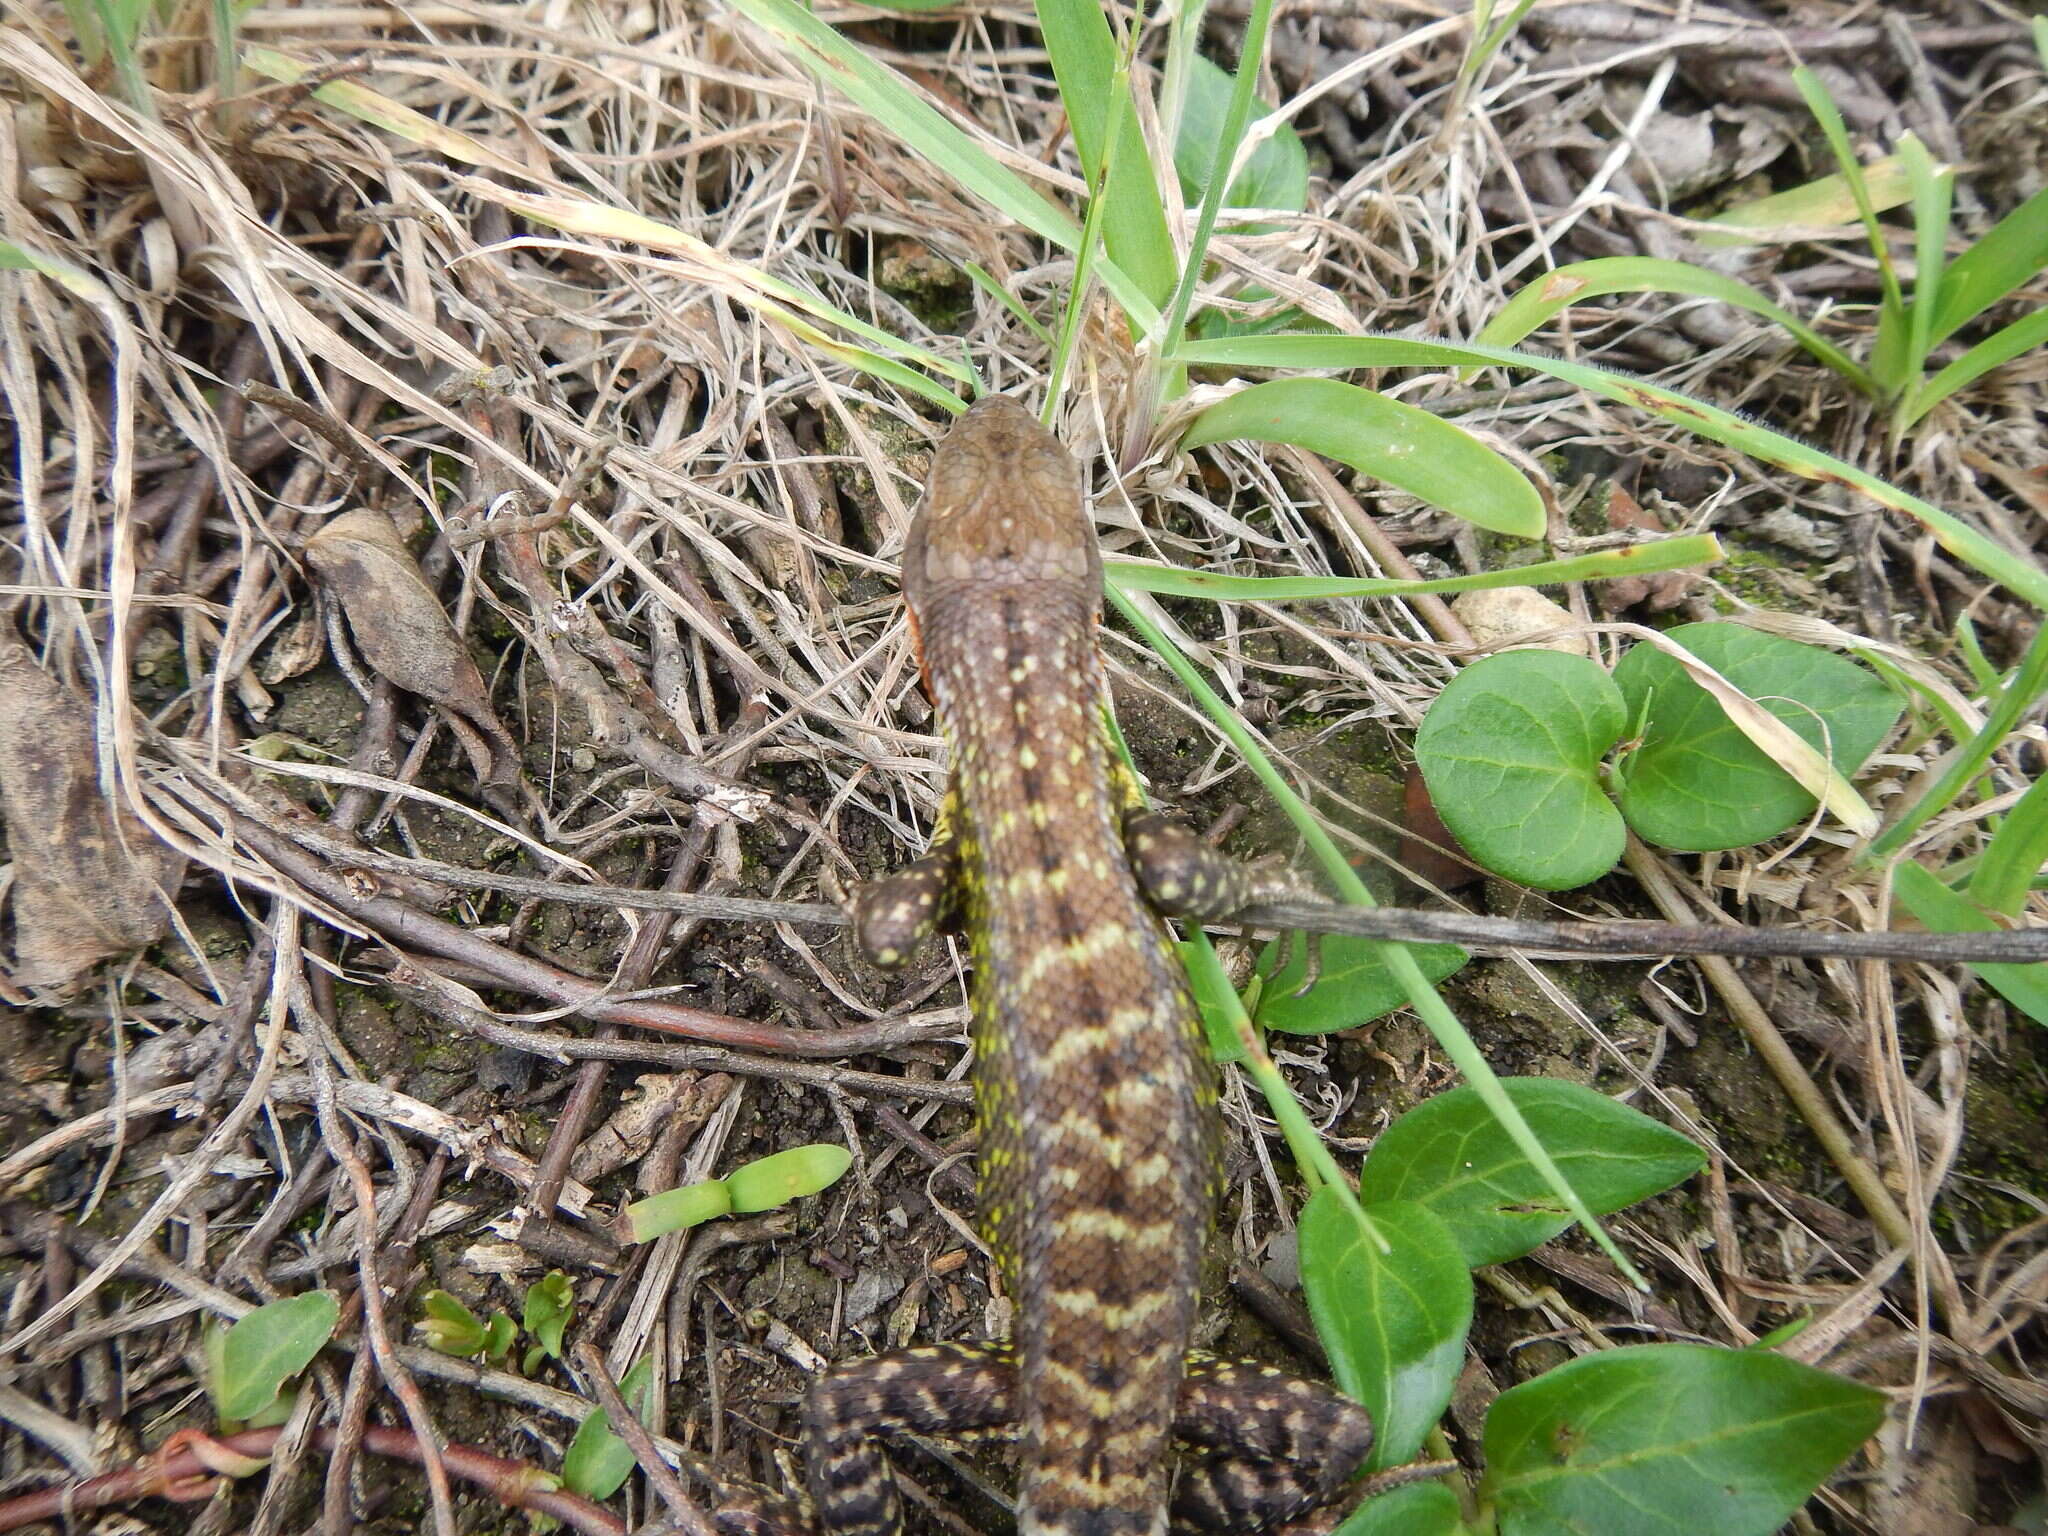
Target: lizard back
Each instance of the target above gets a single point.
(1097, 1109)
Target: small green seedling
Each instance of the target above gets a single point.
(1912, 321)
(1515, 749)
(598, 1462)
(249, 1362)
(761, 1185)
(450, 1328)
(548, 1307)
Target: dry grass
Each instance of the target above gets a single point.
(666, 528)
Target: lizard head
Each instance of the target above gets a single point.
(1003, 506)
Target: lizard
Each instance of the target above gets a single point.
(1100, 1133)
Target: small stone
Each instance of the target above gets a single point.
(1509, 613)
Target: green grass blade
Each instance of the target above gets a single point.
(2023, 335)
(2016, 855)
(1886, 355)
(1258, 25)
(119, 27)
(1398, 958)
(769, 294)
(84, 17)
(897, 105)
(1091, 241)
(2028, 683)
(1933, 187)
(1422, 454)
(2012, 252)
(74, 279)
(893, 102)
(1692, 549)
(1538, 301)
(983, 280)
(1941, 910)
(1085, 62)
(2011, 570)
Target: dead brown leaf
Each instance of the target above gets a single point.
(90, 880)
(404, 633)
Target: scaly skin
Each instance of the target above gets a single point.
(1099, 1151)
(1097, 1109)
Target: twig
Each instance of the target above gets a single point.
(1784, 1064)
(627, 1426)
(183, 1469)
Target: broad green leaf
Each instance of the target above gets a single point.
(1820, 204)
(1276, 176)
(2016, 856)
(1540, 300)
(598, 1462)
(550, 1303)
(1511, 752)
(1354, 988)
(781, 1177)
(1084, 62)
(1697, 782)
(2017, 573)
(1670, 1438)
(1409, 448)
(1215, 998)
(1943, 911)
(2013, 251)
(268, 1347)
(1394, 1322)
(1429, 1005)
(1451, 1155)
(1420, 1509)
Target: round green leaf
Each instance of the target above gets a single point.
(270, 1346)
(1452, 1156)
(1697, 783)
(1674, 1438)
(1276, 176)
(1420, 1509)
(1393, 1322)
(1422, 454)
(1355, 987)
(1511, 753)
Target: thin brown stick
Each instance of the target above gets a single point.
(625, 1423)
(181, 1470)
(1779, 1057)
